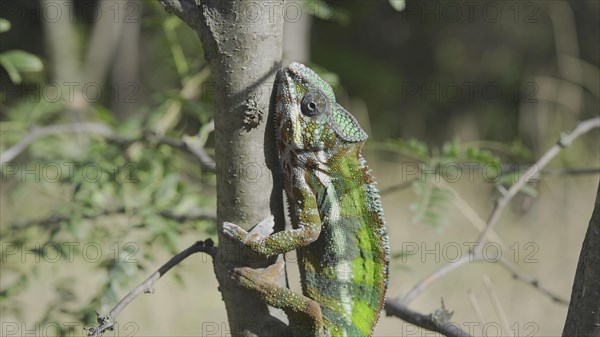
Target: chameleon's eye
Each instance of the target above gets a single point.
(314, 103)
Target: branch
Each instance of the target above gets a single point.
(107, 322)
(573, 171)
(190, 146)
(397, 187)
(532, 281)
(194, 214)
(469, 258)
(36, 133)
(186, 10)
(429, 322)
(436, 275)
(533, 171)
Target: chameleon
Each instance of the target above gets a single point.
(338, 227)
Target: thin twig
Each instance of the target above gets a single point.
(194, 214)
(187, 144)
(397, 187)
(195, 147)
(573, 171)
(496, 303)
(532, 281)
(470, 258)
(186, 10)
(58, 218)
(36, 133)
(463, 206)
(106, 322)
(436, 275)
(533, 171)
(429, 322)
(107, 132)
(476, 306)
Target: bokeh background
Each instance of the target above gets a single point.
(89, 211)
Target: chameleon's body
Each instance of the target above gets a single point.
(339, 231)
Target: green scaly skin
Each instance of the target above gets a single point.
(338, 226)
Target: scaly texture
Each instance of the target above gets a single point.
(338, 226)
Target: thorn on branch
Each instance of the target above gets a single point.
(438, 321)
(441, 315)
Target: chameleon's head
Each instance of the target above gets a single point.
(307, 116)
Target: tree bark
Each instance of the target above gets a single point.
(243, 45)
(583, 317)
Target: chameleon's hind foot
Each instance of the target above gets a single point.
(268, 275)
(304, 313)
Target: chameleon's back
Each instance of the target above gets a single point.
(345, 270)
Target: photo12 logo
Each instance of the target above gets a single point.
(55, 172)
(472, 12)
(68, 329)
(481, 329)
(72, 92)
(451, 252)
(68, 252)
(56, 11)
(467, 92)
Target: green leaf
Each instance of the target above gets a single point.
(4, 25)
(18, 61)
(431, 204)
(411, 147)
(398, 5)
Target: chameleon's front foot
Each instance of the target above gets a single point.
(256, 235)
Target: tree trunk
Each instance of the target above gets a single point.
(583, 318)
(243, 46)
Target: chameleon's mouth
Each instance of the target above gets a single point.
(286, 79)
(287, 76)
(295, 71)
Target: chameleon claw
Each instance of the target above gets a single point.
(234, 231)
(262, 230)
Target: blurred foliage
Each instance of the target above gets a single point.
(16, 62)
(454, 161)
(136, 195)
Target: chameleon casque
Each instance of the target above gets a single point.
(338, 230)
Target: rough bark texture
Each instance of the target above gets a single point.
(243, 45)
(583, 318)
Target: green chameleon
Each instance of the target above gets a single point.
(338, 230)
